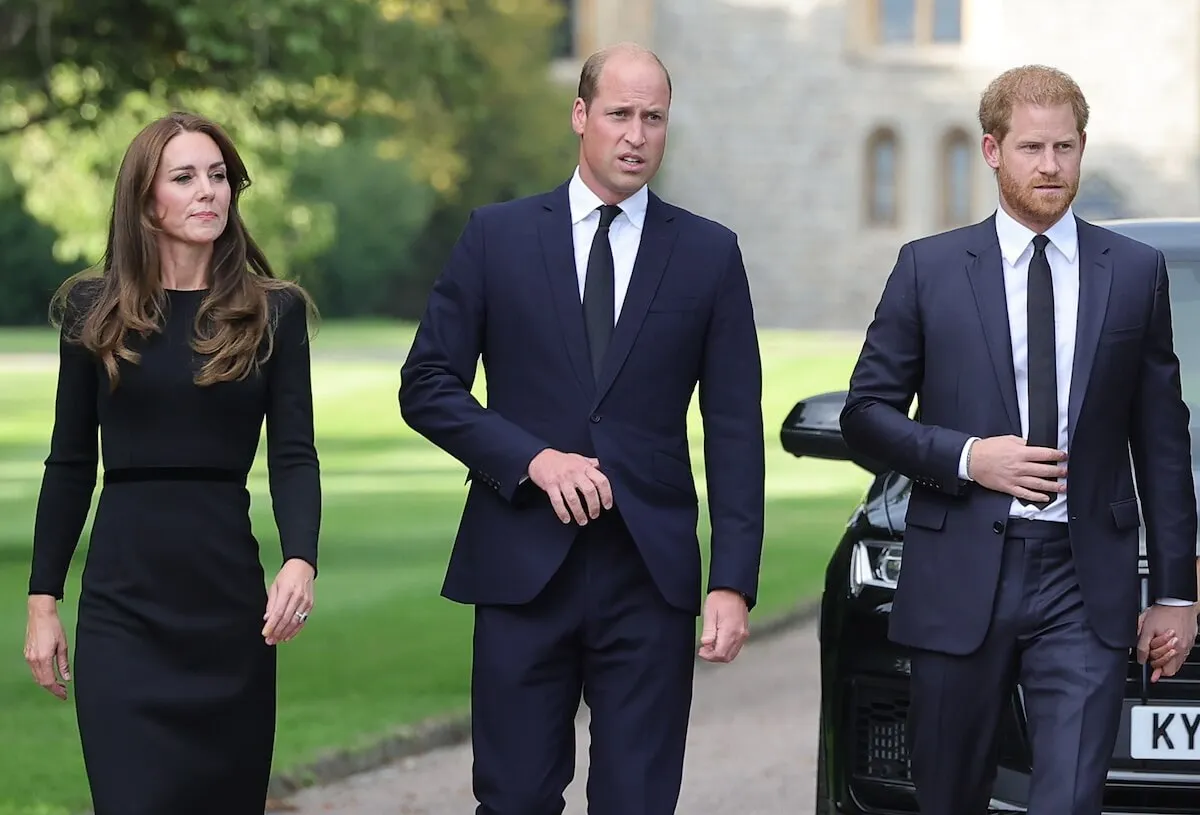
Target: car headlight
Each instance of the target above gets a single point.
(875, 563)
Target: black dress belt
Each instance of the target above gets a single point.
(128, 475)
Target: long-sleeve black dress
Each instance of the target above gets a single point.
(174, 683)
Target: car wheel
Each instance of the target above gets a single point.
(823, 805)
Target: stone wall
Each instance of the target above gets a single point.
(775, 99)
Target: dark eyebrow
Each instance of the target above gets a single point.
(1035, 142)
(619, 108)
(214, 165)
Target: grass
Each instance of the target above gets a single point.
(383, 649)
(27, 340)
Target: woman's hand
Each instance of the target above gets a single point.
(46, 646)
(289, 601)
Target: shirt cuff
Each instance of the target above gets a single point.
(962, 459)
(1171, 601)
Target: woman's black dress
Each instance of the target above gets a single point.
(174, 683)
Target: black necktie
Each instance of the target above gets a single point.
(599, 294)
(1041, 359)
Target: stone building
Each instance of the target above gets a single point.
(828, 132)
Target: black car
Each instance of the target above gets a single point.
(863, 765)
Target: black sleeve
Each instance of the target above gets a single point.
(70, 469)
(292, 465)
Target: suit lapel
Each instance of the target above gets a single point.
(558, 249)
(658, 239)
(985, 269)
(1095, 281)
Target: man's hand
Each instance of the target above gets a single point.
(1166, 635)
(726, 626)
(566, 476)
(1006, 464)
(1162, 648)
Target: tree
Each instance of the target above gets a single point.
(69, 175)
(455, 93)
(379, 211)
(300, 60)
(71, 60)
(31, 275)
(510, 123)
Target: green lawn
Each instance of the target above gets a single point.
(21, 340)
(383, 648)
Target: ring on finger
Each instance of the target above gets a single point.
(302, 616)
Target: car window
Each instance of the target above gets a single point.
(1184, 277)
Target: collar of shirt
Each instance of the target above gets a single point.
(584, 202)
(1015, 237)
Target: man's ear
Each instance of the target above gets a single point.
(578, 116)
(991, 150)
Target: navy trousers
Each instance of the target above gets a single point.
(600, 631)
(1073, 685)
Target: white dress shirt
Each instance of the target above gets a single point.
(624, 234)
(1016, 248)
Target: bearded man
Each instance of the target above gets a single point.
(1036, 344)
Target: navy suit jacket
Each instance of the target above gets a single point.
(941, 333)
(509, 294)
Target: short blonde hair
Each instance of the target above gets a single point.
(1028, 85)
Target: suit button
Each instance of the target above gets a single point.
(595, 418)
(998, 528)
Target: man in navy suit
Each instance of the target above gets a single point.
(1039, 349)
(597, 308)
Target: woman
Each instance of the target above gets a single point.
(176, 352)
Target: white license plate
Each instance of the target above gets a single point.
(1164, 732)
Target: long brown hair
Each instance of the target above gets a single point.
(234, 317)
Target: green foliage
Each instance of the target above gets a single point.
(370, 127)
(30, 272)
(513, 126)
(69, 176)
(379, 210)
(73, 60)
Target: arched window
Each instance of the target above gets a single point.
(883, 178)
(956, 170)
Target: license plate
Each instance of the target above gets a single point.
(1164, 732)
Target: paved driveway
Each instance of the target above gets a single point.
(751, 748)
